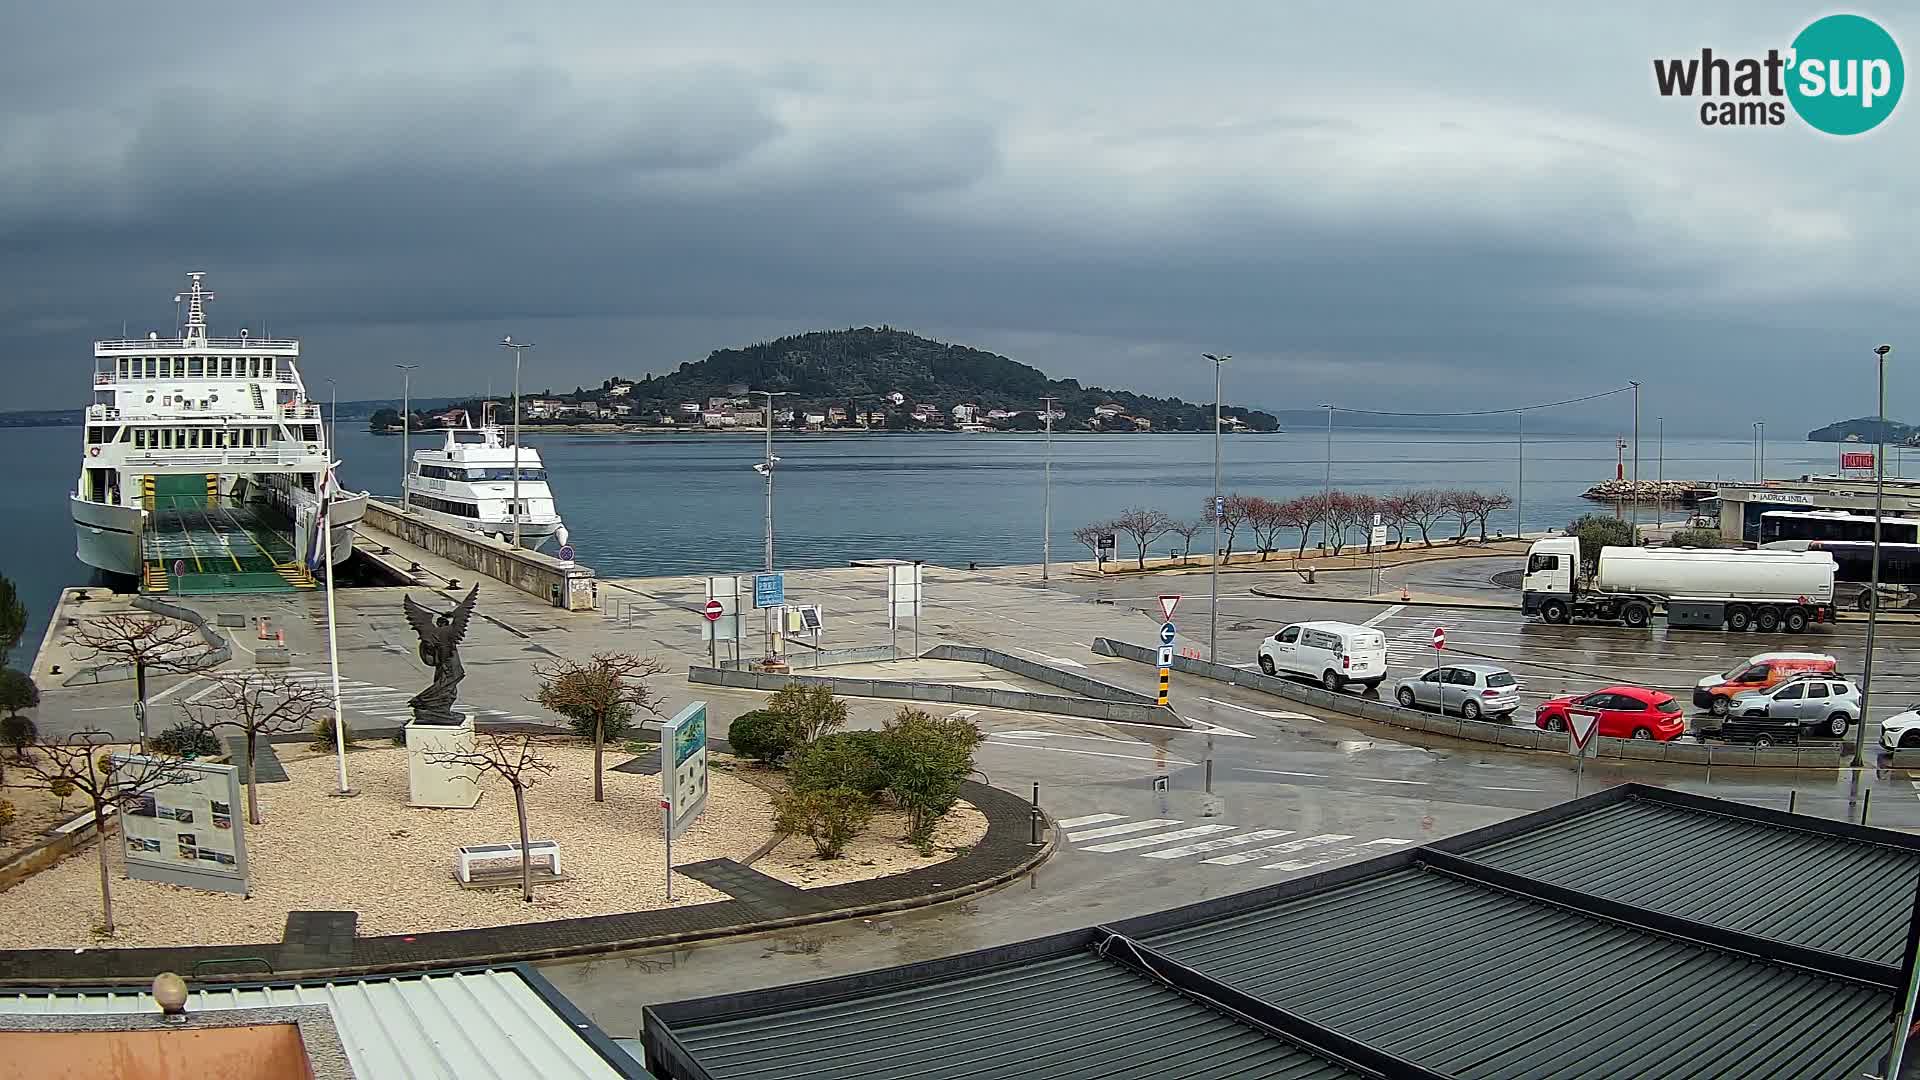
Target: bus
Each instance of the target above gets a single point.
(1853, 563)
(1778, 525)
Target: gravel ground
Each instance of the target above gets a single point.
(394, 863)
(875, 853)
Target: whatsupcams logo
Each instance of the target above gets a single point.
(1842, 75)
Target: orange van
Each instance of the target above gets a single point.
(1759, 672)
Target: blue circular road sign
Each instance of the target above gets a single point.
(1166, 633)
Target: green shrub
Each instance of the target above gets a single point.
(849, 759)
(17, 691)
(811, 711)
(924, 760)
(19, 733)
(761, 735)
(323, 733)
(1595, 531)
(1698, 538)
(185, 740)
(829, 818)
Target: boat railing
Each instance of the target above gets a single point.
(102, 412)
(300, 412)
(236, 457)
(278, 346)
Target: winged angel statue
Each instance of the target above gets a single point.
(440, 636)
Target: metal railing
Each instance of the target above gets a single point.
(278, 346)
(223, 458)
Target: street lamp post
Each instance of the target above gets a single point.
(1873, 581)
(1520, 481)
(333, 419)
(766, 468)
(1635, 514)
(406, 432)
(518, 347)
(1213, 596)
(1046, 512)
(1660, 470)
(1326, 490)
(1760, 447)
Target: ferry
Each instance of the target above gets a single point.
(204, 464)
(468, 483)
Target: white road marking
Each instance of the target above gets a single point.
(1122, 830)
(1218, 844)
(1491, 788)
(1096, 753)
(1061, 660)
(1090, 819)
(1271, 714)
(1384, 780)
(1162, 838)
(1384, 616)
(1278, 849)
(1283, 772)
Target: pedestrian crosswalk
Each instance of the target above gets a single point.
(365, 702)
(1217, 843)
(1410, 635)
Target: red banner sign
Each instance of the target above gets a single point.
(1857, 460)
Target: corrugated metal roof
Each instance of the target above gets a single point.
(1486, 985)
(1067, 1017)
(458, 1026)
(1832, 893)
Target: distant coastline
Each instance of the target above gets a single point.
(782, 432)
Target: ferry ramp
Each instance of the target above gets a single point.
(198, 542)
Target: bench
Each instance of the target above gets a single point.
(537, 851)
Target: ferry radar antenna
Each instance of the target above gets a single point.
(196, 298)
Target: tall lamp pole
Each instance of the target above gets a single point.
(1760, 447)
(406, 432)
(1326, 491)
(766, 468)
(1634, 517)
(1046, 513)
(1660, 470)
(1213, 511)
(1873, 586)
(333, 419)
(518, 347)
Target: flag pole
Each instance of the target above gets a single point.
(333, 642)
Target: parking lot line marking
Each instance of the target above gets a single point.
(1278, 849)
(1218, 844)
(1122, 830)
(1161, 838)
(1090, 819)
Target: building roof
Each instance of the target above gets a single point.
(1636, 932)
(495, 1024)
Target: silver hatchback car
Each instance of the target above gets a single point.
(1472, 690)
(1824, 704)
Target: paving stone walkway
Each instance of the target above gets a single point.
(266, 763)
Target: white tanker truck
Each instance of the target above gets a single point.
(1696, 587)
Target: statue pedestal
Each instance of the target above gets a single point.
(451, 787)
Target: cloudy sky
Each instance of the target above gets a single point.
(1387, 205)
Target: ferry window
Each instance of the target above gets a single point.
(273, 365)
(193, 367)
(226, 366)
(152, 366)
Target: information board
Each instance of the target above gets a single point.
(683, 767)
(190, 833)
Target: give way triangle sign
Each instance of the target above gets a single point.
(1167, 605)
(1580, 728)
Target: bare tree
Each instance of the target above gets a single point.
(1363, 506)
(1459, 504)
(1393, 514)
(1304, 513)
(1186, 531)
(1422, 509)
(600, 696)
(259, 704)
(1485, 504)
(515, 758)
(1266, 519)
(1233, 515)
(1342, 512)
(147, 643)
(1144, 526)
(81, 764)
(1091, 535)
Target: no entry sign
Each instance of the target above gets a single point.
(713, 611)
(1439, 638)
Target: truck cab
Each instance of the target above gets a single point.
(1553, 566)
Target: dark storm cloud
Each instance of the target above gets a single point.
(1410, 211)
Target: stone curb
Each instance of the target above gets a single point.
(1000, 819)
(1461, 603)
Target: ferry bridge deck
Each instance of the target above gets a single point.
(197, 541)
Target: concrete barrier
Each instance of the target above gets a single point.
(943, 693)
(1518, 737)
(564, 585)
(1040, 673)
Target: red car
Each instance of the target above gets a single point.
(1626, 712)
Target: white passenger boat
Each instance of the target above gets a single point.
(468, 482)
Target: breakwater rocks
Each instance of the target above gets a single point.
(1648, 491)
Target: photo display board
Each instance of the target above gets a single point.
(190, 833)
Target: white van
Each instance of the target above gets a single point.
(1335, 653)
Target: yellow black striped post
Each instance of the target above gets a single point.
(1165, 675)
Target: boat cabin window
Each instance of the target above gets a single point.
(193, 367)
(153, 366)
(470, 438)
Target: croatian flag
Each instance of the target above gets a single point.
(321, 536)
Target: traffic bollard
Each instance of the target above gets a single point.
(1033, 819)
